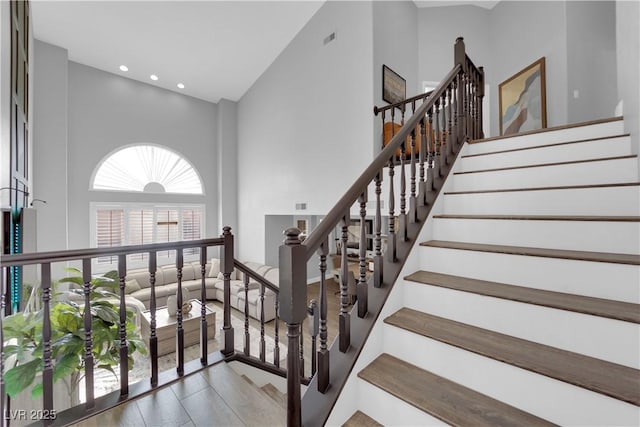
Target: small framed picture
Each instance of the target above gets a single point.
(523, 100)
(394, 87)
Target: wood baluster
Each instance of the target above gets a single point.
(432, 154)
(468, 105)
(362, 287)
(345, 317)
(422, 186)
(454, 110)
(124, 346)
(413, 207)
(323, 353)
(226, 267)
(276, 337)
(378, 261)
(480, 99)
(247, 337)
(179, 325)
(47, 371)
(403, 194)
(88, 336)
(438, 139)
(444, 149)
(382, 116)
(391, 240)
(313, 332)
(204, 352)
(262, 341)
(153, 337)
(452, 141)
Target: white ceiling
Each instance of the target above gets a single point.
(217, 49)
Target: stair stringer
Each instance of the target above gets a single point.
(356, 393)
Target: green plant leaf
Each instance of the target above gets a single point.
(108, 314)
(19, 378)
(66, 366)
(36, 392)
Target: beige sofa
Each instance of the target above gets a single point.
(138, 285)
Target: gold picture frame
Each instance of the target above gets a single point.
(523, 102)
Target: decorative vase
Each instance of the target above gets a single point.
(172, 303)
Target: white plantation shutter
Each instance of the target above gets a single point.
(140, 230)
(109, 231)
(133, 224)
(167, 229)
(192, 228)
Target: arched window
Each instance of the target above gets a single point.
(147, 168)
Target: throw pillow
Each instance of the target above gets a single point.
(131, 285)
(215, 267)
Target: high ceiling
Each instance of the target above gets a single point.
(217, 49)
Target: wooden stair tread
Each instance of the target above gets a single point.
(444, 399)
(545, 217)
(561, 187)
(618, 310)
(533, 147)
(549, 129)
(360, 419)
(540, 165)
(538, 252)
(611, 379)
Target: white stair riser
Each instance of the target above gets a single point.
(596, 279)
(553, 400)
(572, 134)
(610, 147)
(607, 339)
(589, 173)
(582, 201)
(594, 236)
(389, 410)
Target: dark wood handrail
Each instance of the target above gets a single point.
(256, 276)
(319, 234)
(75, 254)
(401, 104)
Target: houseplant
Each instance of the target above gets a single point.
(23, 347)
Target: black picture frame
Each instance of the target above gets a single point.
(394, 87)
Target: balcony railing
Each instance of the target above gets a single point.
(55, 346)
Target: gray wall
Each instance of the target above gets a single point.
(306, 125)
(520, 32)
(107, 112)
(5, 96)
(591, 60)
(395, 44)
(50, 145)
(227, 165)
(628, 60)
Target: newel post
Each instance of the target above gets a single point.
(460, 57)
(226, 267)
(293, 310)
(480, 98)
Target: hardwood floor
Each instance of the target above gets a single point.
(216, 396)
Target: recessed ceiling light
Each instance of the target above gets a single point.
(124, 68)
(180, 85)
(153, 77)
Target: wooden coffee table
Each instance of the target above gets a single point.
(166, 327)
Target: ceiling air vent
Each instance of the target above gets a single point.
(301, 206)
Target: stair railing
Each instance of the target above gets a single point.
(429, 140)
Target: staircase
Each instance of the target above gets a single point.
(521, 305)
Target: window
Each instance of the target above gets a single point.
(116, 224)
(147, 168)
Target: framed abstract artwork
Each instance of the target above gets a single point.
(523, 100)
(394, 87)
